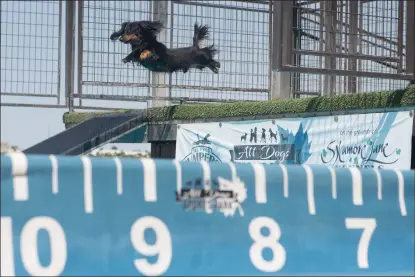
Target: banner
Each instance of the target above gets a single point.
(80, 216)
(377, 140)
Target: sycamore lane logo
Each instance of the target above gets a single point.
(202, 151)
(365, 154)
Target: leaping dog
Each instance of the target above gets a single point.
(155, 56)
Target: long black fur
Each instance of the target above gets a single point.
(142, 36)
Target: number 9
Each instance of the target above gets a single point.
(162, 247)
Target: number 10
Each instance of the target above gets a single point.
(29, 247)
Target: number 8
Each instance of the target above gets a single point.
(270, 241)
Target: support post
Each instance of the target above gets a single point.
(80, 49)
(410, 39)
(330, 22)
(296, 81)
(158, 80)
(352, 61)
(69, 53)
(282, 43)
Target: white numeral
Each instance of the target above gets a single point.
(29, 247)
(7, 255)
(270, 241)
(162, 247)
(368, 225)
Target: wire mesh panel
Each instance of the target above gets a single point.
(362, 43)
(239, 29)
(30, 47)
(103, 72)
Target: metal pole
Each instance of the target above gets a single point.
(354, 9)
(80, 48)
(60, 52)
(69, 53)
(330, 22)
(159, 79)
(282, 36)
(297, 45)
(410, 39)
(270, 52)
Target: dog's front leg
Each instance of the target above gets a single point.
(129, 57)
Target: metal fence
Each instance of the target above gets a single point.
(239, 29)
(30, 48)
(345, 46)
(268, 49)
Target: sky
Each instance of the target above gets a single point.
(30, 58)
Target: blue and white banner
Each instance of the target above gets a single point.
(378, 140)
(72, 216)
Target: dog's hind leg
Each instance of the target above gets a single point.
(215, 63)
(214, 69)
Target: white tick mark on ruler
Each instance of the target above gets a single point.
(310, 189)
(401, 192)
(206, 183)
(150, 184)
(178, 175)
(379, 182)
(19, 174)
(260, 183)
(206, 174)
(118, 167)
(357, 189)
(54, 163)
(88, 193)
(284, 179)
(333, 183)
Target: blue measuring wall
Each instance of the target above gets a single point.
(119, 217)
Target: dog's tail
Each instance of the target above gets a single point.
(201, 32)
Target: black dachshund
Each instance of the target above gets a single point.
(155, 56)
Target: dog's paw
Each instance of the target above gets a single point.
(215, 70)
(145, 54)
(125, 60)
(216, 64)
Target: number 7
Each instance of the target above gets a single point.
(368, 225)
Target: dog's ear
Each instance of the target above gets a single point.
(153, 27)
(118, 33)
